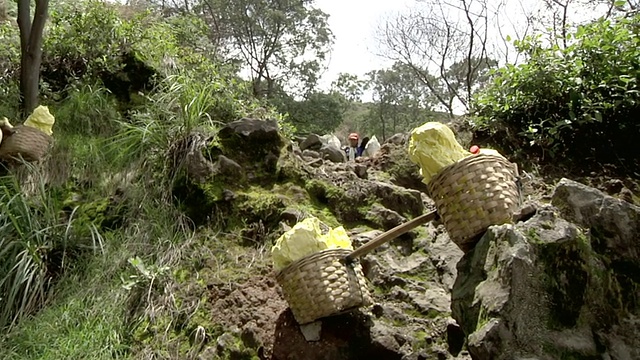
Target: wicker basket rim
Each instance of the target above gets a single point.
(311, 257)
(30, 129)
(462, 163)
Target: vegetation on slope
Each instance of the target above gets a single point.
(91, 234)
(95, 256)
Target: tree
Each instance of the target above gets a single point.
(318, 112)
(31, 50)
(349, 86)
(557, 18)
(3, 11)
(432, 39)
(280, 41)
(401, 101)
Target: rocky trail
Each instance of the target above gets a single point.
(560, 284)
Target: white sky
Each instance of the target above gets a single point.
(353, 23)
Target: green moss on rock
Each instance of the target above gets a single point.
(565, 278)
(350, 208)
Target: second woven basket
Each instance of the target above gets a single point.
(473, 194)
(323, 284)
(25, 142)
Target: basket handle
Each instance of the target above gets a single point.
(391, 234)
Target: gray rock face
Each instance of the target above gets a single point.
(563, 284)
(253, 131)
(332, 153)
(614, 224)
(551, 289)
(398, 139)
(384, 217)
(253, 144)
(312, 142)
(311, 154)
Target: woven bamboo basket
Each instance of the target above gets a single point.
(473, 194)
(323, 284)
(331, 282)
(25, 142)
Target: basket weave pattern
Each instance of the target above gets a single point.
(473, 194)
(322, 284)
(29, 143)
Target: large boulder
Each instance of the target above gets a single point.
(331, 139)
(312, 142)
(332, 153)
(252, 142)
(398, 139)
(614, 224)
(552, 289)
(243, 153)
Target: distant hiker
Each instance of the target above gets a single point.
(363, 145)
(353, 150)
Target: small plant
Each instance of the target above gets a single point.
(146, 276)
(87, 110)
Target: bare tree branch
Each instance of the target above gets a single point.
(448, 38)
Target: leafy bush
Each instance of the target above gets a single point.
(9, 70)
(92, 36)
(580, 102)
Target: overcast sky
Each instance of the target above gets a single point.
(353, 23)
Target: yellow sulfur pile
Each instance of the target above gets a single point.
(41, 119)
(306, 238)
(433, 146)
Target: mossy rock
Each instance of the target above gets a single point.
(105, 213)
(259, 204)
(255, 145)
(349, 207)
(291, 168)
(565, 277)
(197, 201)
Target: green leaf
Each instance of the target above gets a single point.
(598, 116)
(619, 3)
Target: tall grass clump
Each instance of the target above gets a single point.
(37, 241)
(88, 110)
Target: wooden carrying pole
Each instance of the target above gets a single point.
(391, 234)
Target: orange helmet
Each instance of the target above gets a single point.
(353, 136)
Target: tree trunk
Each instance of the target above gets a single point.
(384, 130)
(3, 11)
(31, 50)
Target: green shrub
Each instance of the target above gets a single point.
(93, 34)
(578, 104)
(9, 70)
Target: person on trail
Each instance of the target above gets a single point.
(353, 150)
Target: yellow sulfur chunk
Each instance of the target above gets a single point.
(306, 238)
(433, 146)
(41, 119)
